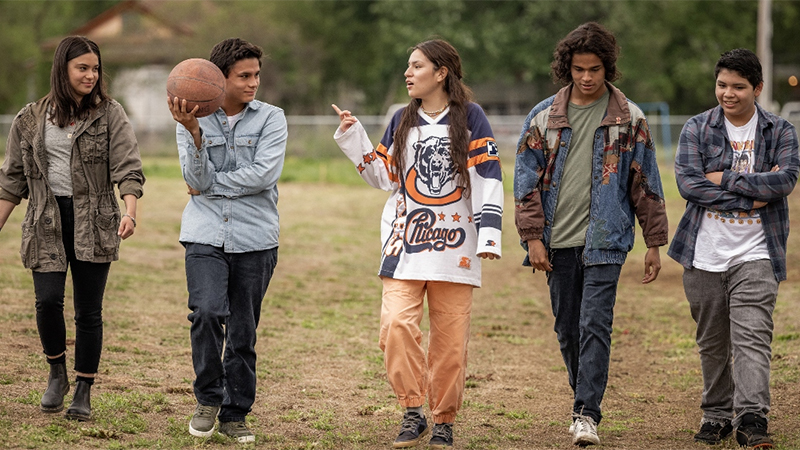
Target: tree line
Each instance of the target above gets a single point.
(357, 49)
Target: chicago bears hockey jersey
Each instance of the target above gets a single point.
(431, 228)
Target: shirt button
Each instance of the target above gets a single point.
(226, 219)
(547, 222)
(48, 221)
(53, 256)
(554, 184)
(563, 143)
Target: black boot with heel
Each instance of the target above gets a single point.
(57, 388)
(81, 408)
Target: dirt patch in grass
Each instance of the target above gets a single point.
(321, 379)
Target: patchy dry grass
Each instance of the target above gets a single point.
(321, 379)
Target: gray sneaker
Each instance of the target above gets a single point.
(202, 423)
(237, 430)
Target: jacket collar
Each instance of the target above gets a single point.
(254, 105)
(40, 107)
(617, 113)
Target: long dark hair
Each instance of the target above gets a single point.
(591, 37)
(441, 54)
(65, 107)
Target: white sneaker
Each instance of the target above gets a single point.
(584, 431)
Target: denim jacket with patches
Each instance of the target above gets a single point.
(625, 178)
(237, 171)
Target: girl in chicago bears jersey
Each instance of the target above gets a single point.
(439, 160)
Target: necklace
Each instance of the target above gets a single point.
(435, 113)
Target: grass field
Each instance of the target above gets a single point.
(321, 379)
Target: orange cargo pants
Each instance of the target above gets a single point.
(442, 376)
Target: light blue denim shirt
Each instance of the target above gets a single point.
(237, 173)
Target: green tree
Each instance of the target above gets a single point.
(24, 26)
(320, 51)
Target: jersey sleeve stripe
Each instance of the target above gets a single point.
(480, 159)
(383, 155)
(478, 143)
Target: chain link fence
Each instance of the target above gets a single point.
(312, 136)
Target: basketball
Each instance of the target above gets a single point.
(200, 83)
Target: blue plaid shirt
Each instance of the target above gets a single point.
(704, 147)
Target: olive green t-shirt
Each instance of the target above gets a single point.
(571, 218)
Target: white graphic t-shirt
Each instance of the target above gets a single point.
(728, 238)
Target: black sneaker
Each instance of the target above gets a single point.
(712, 433)
(752, 432)
(413, 429)
(442, 437)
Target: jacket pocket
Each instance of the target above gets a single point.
(713, 157)
(106, 224)
(29, 167)
(215, 147)
(245, 150)
(29, 250)
(93, 144)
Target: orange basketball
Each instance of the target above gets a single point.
(200, 83)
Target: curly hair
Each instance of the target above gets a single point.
(591, 37)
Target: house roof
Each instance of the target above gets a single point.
(132, 32)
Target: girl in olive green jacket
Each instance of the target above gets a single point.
(64, 154)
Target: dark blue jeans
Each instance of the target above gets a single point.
(583, 300)
(225, 295)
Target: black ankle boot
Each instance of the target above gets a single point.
(57, 388)
(81, 408)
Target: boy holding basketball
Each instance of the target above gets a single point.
(231, 161)
(735, 166)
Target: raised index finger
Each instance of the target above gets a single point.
(338, 111)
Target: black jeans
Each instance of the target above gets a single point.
(89, 284)
(225, 295)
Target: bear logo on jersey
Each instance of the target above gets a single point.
(433, 163)
(433, 173)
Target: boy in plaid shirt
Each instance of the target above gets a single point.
(735, 165)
